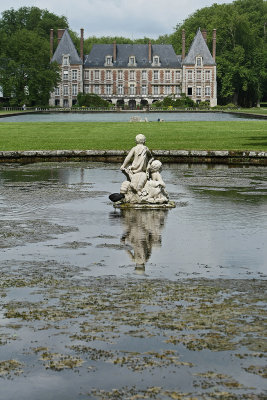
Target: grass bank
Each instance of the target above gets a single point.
(253, 110)
(232, 135)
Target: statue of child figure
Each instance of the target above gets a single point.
(136, 171)
(154, 189)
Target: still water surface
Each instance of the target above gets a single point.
(124, 117)
(217, 229)
(145, 302)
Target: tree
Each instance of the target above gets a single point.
(241, 47)
(26, 74)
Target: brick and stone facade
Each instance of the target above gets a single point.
(135, 75)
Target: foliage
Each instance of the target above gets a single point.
(26, 75)
(182, 102)
(91, 100)
(241, 47)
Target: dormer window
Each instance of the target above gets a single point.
(108, 61)
(132, 61)
(66, 60)
(198, 61)
(156, 61)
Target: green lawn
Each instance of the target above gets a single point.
(253, 110)
(234, 135)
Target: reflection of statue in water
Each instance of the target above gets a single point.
(144, 183)
(143, 232)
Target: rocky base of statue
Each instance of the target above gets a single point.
(147, 206)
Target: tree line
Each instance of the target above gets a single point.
(27, 76)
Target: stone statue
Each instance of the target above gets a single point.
(136, 172)
(144, 184)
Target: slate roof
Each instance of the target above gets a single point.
(199, 48)
(167, 56)
(66, 46)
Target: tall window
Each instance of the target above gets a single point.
(167, 90)
(189, 75)
(207, 75)
(155, 90)
(57, 93)
(144, 90)
(198, 74)
(120, 89)
(198, 93)
(86, 88)
(177, 75)
(86, 74)
(132, 89)
(65, 75)
(207, 91)
(167, 75)
(120, 74)
(96, 89)
(144, 75)
(108, 74)
(65, 90)
(96, 74)
(156, 75)
(74, 74)
(132, 74)
(108, 89)
(177, 90)
(74, 90)
(199, 61)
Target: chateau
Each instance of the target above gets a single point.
(134, 74)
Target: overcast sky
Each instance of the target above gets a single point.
(129, 18)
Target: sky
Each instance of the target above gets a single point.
(128, 18)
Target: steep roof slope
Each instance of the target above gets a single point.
(167, 56)
(199, 48)
(66, 47)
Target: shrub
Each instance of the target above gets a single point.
(91, 100)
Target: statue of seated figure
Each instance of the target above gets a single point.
(136, 172)
(144, 183)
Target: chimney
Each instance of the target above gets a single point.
(214, 44)
(51, 43)
(149, 51)
(81, 45)
(114, 51)
(59, 35)
(183, 44)
(204, 34)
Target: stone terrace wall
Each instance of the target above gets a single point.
(172, 156)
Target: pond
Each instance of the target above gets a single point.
(124, 117)
(99, 303)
